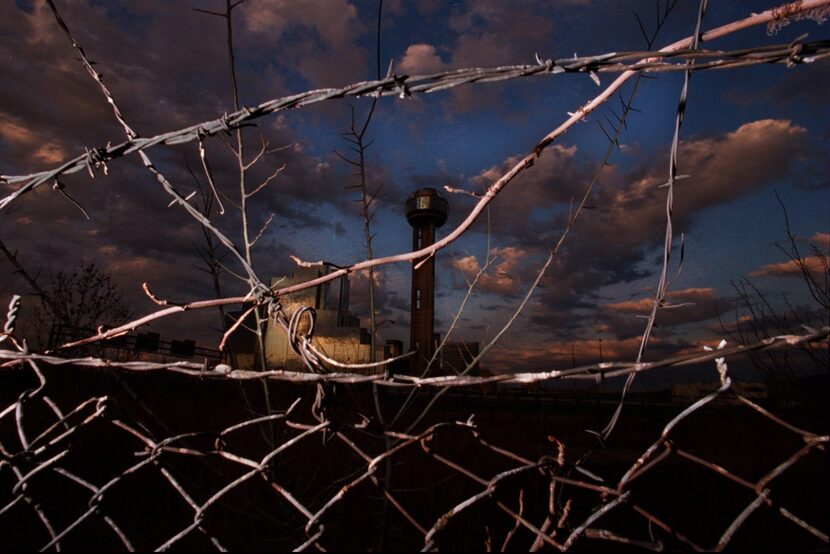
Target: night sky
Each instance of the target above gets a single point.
(748, 132)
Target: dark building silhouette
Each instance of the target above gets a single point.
(147, 346)
(393, 349)
(455, 357)
(425, 211)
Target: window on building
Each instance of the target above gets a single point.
(417, 299)
(419, 239)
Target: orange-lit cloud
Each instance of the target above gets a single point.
(39, 148)
(562, 354)
(503, 276)
(609, 243)
(332, 19)
(822, 240)
(644, 305)
(683, 306)
(721, 168)
(792, 268)
(420, 59)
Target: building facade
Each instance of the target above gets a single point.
(337, 332)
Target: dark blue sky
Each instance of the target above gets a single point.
(748, 132)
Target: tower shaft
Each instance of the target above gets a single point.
(422, 326)
(425, 211)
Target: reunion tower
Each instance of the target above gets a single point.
(425, 211)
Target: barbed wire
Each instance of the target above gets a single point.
(603, 370)
(796, 52)
(663, 281)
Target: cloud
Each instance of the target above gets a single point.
(611, 243)
(803, 89)
(332, 19)
(52, 110)
(319, 39)
(495, 33)
(484, 33)
(556, 178)
(822, 240)
(682, 306)
(48, 91)
(503, 275)
(644, 305)
(722, 169)
(421, 59)
(35, 146)
(626, 319)
(816, 263)
(562, 354)
(793, 268)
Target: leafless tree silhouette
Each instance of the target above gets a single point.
(759, 314)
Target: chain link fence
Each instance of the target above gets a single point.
(135, 461)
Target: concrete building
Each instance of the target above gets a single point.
(337, 332)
